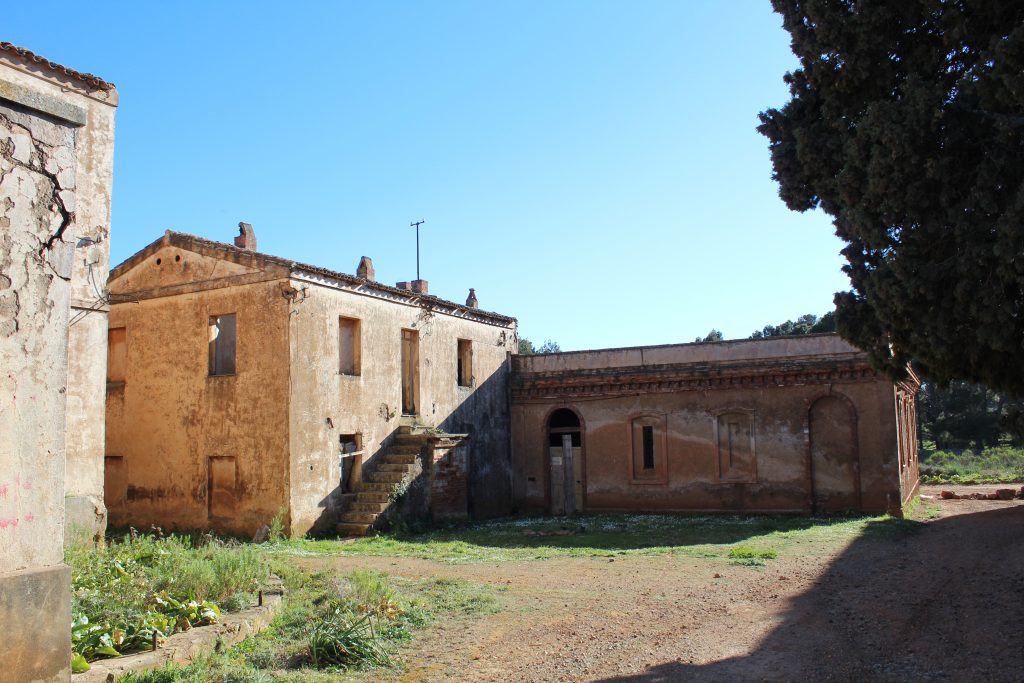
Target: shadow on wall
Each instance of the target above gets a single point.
(484, 415)
(941, 604)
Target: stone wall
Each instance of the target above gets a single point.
(780, 425)
(330, 403)
(185, 449)
(46, 129)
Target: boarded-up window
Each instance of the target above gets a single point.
(222, 344)
(221, 492)
(736, 460)
(349, 346)
(465, 363)
(117, 354)
(115, 481)
(649, 464)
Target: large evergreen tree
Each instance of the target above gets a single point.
(906, 125)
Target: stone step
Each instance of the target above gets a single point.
(360, 506)
(406, 448)
(384, 477)
(383, 487)
(400, 458)
(368, 497)
(347, 529)
(359, 517)
(393, 467)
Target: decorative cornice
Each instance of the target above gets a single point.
(626, 381)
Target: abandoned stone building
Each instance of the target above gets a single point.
(241, 384)
(786, 424)
(56, 151)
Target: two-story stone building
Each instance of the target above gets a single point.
(241, 384)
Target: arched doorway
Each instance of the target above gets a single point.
(835, 456)
(565, 462)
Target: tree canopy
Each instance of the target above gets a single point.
(906, 126)
(526, 347)
(805, 324)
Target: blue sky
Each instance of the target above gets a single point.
(591, 168)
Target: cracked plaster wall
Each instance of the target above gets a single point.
(36, 201)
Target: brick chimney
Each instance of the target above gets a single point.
(471, 299)
(365, 268)
(416, 286)
(246, 237)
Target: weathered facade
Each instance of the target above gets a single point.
(786, 424)
(56, 140)
(241, 384)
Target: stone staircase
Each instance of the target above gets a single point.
(372, 497)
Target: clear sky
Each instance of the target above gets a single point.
(591, 168)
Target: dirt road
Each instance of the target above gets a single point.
(945, 603)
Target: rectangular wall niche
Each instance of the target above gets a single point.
(349, 346)
(649, 457)
(117, 354)
(222, 344)
(736, 459)
(222, 486)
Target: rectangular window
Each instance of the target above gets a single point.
(222, 344)
(349, 343)
(648, 447)
(117, 354)
(648, 457)
(465, 363)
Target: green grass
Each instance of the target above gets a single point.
(127, 592)
(604, 536)
(989, 466)
(331, 627)
(751, 557)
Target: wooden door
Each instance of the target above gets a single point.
(410, 372)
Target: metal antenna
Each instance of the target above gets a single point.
(417, 225)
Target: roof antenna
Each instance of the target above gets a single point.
(417, 225)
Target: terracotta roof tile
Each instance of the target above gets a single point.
(94, 82)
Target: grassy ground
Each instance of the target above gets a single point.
(141, 587)
(537, 538)
(333, 628)
(989, 466)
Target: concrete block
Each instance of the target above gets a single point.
(35, 607)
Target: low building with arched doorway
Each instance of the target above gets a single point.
(785, 424)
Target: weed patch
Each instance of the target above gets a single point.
(751, 557)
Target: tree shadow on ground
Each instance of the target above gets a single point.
(941, 605)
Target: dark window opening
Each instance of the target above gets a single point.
(648, 448)
(222, 344)
(464, 370)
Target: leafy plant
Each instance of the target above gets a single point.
(340, 640)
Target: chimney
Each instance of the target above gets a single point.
(415, 286)
(246, 237)
(365, 268)
(471, 300)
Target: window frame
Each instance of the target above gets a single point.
(657, 474)
(724, 477)
(213, 369)
(464, 362)
(357, 346)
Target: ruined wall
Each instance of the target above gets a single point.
(45, 129)
(82, 175)
(327, 403)
(698, 400)
(186, 449)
